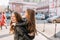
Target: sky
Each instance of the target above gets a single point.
(4, 2)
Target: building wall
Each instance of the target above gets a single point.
(14, 5)
(43, 6)
(2, 8)
(35, 1)
(18, 5)
(53, 6)
(15, 0)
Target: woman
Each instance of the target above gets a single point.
(18, 27)
(30, 17)
(3, 22)
(2, 19)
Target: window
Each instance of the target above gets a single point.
(26, 0)
(37, 1)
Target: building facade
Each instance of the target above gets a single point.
(20, 5)
(50, 6)
(15, 5)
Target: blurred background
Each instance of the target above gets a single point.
(46, 10)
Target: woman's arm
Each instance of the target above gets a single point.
(22, 23)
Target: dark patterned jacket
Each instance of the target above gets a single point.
(21, 32)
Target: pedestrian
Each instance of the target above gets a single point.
(3, 21)
(18, 27)
(0, 20)
(30, 17)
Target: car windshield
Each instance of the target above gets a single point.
(54, 17)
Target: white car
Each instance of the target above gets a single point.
(51, 19)
(40, 16)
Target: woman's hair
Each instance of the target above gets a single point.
(31, 20)
(18, 19)
(3, 12)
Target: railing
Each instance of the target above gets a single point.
(44, 28)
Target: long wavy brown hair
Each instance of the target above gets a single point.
(31, 20)
(18, 19)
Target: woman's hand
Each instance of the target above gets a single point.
(11, 32)
(14, 24)
(31, 34)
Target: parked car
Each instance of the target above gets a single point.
(40, 16)
(8, 15)
(52, 19)
(57, 20)
(46, 16)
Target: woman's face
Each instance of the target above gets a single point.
(13, 18)
(26, 13)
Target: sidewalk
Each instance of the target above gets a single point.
(49, 30)
(48, 34)
(4, 35)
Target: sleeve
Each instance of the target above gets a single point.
(19, 30)
(24, 23)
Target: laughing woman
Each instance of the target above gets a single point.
(18, 27)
